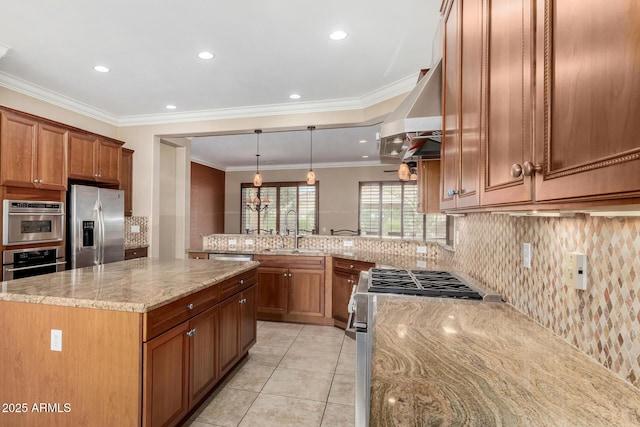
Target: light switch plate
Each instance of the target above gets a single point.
(422, 249)
(135, 228)
(56, 340)
(526, 255)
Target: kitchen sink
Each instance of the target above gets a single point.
(285, 251)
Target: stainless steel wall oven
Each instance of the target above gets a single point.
(27, 222)
(20, 263)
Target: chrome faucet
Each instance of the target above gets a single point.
(286, 225)
(281, 239)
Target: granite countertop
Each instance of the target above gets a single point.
(137, 285)
(454, 363)
(377, 258)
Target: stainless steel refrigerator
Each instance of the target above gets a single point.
(95, 226)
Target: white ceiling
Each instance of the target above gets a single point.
(264, 51)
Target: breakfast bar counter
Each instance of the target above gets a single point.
(462, 363)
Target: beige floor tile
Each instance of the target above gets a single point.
(309, 360)
(265, 355)
(192, 423)
(227, 407)
(318, 343)
(285, 328)
(273, 338)
(349, 344)
(259, 323)
(338, 416)
(250, 377)
(346, 363)
(308, 385)
(279, 411)
(343, 390)
(324, 331)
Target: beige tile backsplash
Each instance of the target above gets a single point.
(604, 320)
(136, 239)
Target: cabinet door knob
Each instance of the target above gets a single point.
(241, 281)
(526, 169)
(452, 192)
(190, 306)
(285, 274)
(290, 275)
(191, 332)
(351, 266)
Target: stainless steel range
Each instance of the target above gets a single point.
(362, 307)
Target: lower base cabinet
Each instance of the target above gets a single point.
(345, 275)
(183, 364)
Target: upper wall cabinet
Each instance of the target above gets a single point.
(94, 159)
(558, 107)
(507, 132)
(33, 154)
(587, 142)
(462, 103)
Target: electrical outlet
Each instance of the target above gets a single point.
(422, 249)
(135, 228)
(248, 242)
(526, 255)
(231, 242)
(575, 273)
(56, 340)
(348, 243)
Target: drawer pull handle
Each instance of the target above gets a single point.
(243, 301)
(241, 281)
(191, 332)
(351, 266)
(190, 306)
(285, 274)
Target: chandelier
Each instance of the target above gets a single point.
(257, 204)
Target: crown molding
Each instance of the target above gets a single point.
(305, 166)
(208, 163)
(396, 88)
(38, 92)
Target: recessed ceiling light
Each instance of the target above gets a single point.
(365, 157)
(338, 35)
(101, 69)
(295, 96)
(171, 107)
(363, 141)
(206, 55)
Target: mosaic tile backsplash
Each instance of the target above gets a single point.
(136, 239)
(604, 320)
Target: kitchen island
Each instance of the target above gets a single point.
(443, 362)
(138, 342)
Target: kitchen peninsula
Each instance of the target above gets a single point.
(110, 345)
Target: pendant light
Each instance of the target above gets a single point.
(403, 172)
(311, 176)
(257, 178)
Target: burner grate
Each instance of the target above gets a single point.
(419, 282)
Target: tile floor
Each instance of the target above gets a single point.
(295, 375)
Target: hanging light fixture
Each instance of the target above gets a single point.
(403, 172)
(256, 203)
(311, 176)
(257, 178)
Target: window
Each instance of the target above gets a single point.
(390, 209)
(283, 197)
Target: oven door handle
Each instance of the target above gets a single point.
(34, 214)
(31, 267)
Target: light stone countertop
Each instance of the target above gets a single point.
(461, 363)
(137, 285)
(378, 258)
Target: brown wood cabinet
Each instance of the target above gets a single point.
(587, 100)
(191, 343)
(94, 159)
(462, 96)
(33, 154)
(126, 180)
(555, 113)
(429, 186)
(237, 327)
(291, 288)
(345, 276)
(136, 253)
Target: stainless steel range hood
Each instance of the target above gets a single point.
(418, 115)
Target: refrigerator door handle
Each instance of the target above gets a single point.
(101, 232)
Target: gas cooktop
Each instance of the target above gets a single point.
(420, 282)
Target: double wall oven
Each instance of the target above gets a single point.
(26, 223)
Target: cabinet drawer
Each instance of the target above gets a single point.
(198, 255)
(170, 315)
(351, 266)
(291, 261)
(136, 253)
(237, 284)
